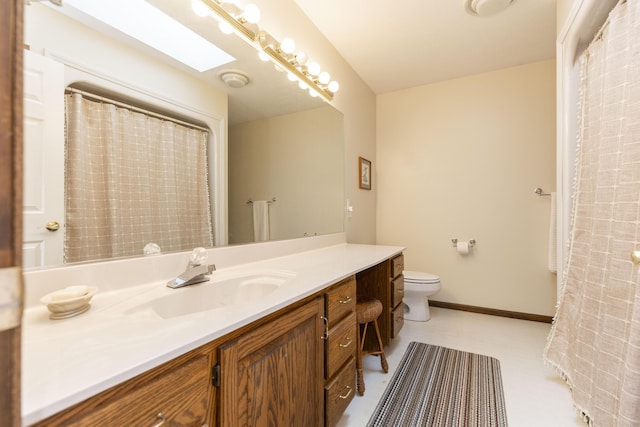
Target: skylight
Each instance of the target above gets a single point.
(145, 23)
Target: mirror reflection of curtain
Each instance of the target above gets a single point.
(595, 339)
(132, 179)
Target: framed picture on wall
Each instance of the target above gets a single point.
(365, 173)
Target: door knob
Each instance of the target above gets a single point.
(53, 226)
(635, 257)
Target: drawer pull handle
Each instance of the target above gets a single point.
(162, 419)
(346, 300)
(345, 396)
(348, 343)
(326, 328)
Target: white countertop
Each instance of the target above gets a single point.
(66, 361)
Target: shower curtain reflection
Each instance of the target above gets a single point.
(126, 175)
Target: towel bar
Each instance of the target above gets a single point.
(540, 192)
(273, 200)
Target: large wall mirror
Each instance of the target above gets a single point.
(269, 142)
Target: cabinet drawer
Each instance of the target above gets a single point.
(181, 396)
(339, 392)
(397, 290)
(397, 265)
(397, 320)
(341, 344)
(340, 300)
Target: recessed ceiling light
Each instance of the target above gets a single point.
(234, 78)
(485, 7)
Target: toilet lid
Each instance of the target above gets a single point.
(420, 277)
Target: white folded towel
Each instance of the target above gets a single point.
(260, 220)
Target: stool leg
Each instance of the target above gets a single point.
(383, 359)
(359, 376)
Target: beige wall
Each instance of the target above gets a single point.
(297, 158)
(562, 12)
(283, 18)
(460, 159)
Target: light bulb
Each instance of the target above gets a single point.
(251, 13)
(313, 68)
(324, 78)
(225, 27)
(278, 67)
(199, 8)
(292, 77)
(302, 85)
(334, 86)
(288, 45)
(263, 56)
(313, 93)
(301, 58)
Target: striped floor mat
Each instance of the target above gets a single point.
(440, 387)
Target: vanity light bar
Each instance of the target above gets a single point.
(266, 42)
(303, 77)
(221, 13)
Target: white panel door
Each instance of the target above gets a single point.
(43, 161)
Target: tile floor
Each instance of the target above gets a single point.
(534, 394)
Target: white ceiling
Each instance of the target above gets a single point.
(400, 44)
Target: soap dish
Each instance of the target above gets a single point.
(68, 302)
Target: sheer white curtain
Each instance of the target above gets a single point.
(595, 339)
(132, 179)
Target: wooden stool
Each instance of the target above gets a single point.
(368, 309)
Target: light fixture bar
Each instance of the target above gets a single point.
(295, 71)
(231, 20)
(268, 45)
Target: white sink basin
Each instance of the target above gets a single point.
(220, 291)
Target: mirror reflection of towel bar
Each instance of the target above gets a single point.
(540, 192)
(273, 200)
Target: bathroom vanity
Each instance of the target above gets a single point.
(264, 359)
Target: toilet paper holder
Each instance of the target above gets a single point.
(472, 243)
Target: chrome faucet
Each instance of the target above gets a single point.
(192, 275)
(196, 271)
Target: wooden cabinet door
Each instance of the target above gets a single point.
(273, 376)
(179, 397)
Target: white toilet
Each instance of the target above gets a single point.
(417, 287)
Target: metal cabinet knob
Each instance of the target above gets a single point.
(345, 300)
(347, 394)
(635, 257)
(345, 344)
(53, 226)
(325, 336)
(162, 419)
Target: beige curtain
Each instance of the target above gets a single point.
(595, 339)
(132, 179)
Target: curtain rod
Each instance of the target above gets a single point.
(606, 22)
(134, 108)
